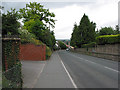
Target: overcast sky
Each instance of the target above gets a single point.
(102, 12)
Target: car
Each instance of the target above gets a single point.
(67, 49)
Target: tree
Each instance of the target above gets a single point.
(10, 23)
(84, 33)
(86, 30)
(106, 31)
(117, 31)
(62, 45)
(36, 11)
(74, 36)
(38, 21)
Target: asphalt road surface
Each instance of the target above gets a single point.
(90, 72)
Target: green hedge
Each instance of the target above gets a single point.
(108, 39)
(92, 44)
(48, 52)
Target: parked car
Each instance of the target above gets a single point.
(67, 49)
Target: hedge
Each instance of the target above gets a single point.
(48, 52)
(92, 44)
(108, 39)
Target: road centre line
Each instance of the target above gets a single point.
(95, 63)
(75, 86)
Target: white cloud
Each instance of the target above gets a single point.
(103, 14)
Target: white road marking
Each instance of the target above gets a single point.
(35, 81)
(68, 73)
(111, 69)
(95, 63)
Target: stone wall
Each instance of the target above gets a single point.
(107, 51)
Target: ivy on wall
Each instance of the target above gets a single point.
(11, 65)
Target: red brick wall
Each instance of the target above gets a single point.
(32, 52)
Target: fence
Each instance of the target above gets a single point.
(11, 66)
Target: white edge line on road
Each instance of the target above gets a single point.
(111, 69)
(68, 73)
(35, 81)
(96, 63)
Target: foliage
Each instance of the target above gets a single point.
(74, 39)
(106, 31)
(36, 11)
(36, 21)
(62, 45)
(91, 44)
(48, 52)
(56, 48)
(83, 33)
(12, 78)
(46, 36)
(10, 24)
(10, 53)
(117, 31)
(108, 39)
(27, 37)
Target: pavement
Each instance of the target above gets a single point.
(46, 74)
(90, 72)
(31, 71)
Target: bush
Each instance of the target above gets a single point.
(108, 39)
(92, 44)
(62, 45)
(27, 37)
(55, 48)
(48, 52)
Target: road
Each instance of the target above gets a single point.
(90, 72)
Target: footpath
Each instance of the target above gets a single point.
(46, 74)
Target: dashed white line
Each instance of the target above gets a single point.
(75, 86)
(95, 63)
